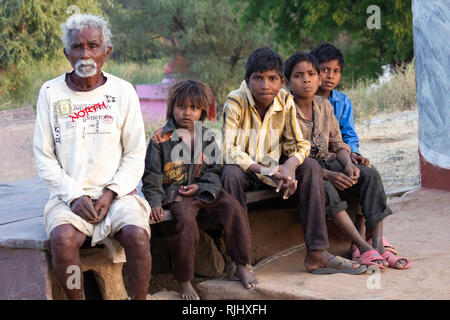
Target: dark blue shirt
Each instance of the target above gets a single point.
(343, 111)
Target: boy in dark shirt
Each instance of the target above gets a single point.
(184, 179)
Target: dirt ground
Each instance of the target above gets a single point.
(389, 141)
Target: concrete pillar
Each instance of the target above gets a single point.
(431, 30)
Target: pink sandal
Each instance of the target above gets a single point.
(392, 260)
(368, 258)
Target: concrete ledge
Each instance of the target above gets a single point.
(418, 229)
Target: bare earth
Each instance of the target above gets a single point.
(390, 142)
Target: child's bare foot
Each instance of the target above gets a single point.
(187, 291)
(247, 277)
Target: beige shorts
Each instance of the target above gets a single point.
(129, 210)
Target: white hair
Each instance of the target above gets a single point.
(84, 21)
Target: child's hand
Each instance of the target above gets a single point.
(157, 214)
(339, 180)
(352, 172)
(357, 158)
(188, 190)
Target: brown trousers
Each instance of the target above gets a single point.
(309, 199)
(225, 211)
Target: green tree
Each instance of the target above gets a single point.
(30, 32)
(207, 33)
(300, 24)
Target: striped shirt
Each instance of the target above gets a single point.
(248, 140)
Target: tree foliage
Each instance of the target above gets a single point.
(207, 33)
(30, 31)
(299, 24)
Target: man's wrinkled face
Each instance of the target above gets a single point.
(264, 87)
(87, 52)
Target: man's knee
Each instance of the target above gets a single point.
(65, 238)
(133, 236)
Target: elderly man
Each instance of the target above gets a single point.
(89, 145)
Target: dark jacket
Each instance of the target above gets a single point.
(164, 173)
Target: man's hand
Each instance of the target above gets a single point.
(359, 159)
(102, 205)
(188, 190)
(157, 214)
(84, 207)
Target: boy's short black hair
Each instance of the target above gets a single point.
(263, 59)
(325, 52)
(297, 57)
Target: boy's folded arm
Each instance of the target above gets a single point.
(152, 179)
(335, 142)
(232, 151)
(294, 145)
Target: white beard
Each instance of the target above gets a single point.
(86, 68)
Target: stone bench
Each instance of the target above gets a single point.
(25, 268)
(25, 262)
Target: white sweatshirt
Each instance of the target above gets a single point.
(85, 142)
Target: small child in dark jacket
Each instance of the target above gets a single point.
(182, 174)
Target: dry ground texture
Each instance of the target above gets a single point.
(390, 141)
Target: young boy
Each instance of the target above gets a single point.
(331, 63)
(183, 178)
(259, 126)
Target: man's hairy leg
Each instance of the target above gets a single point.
(65, 243)
(136, 243)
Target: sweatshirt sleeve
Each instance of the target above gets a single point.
(153, 176)
(210, 183)
(131, 167)
(47, 164)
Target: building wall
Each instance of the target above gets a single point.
(431, 30)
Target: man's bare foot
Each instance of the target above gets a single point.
(247, 277)
(319, 258)
(187, 291)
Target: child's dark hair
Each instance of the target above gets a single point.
(263, 59)
(191, 89)
(325, 52)
(297, 57)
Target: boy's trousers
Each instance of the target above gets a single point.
(309, 198)
(225, 211)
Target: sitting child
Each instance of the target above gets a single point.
(331, 65)
(321, 128)
(260, 128)
(190, 182)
